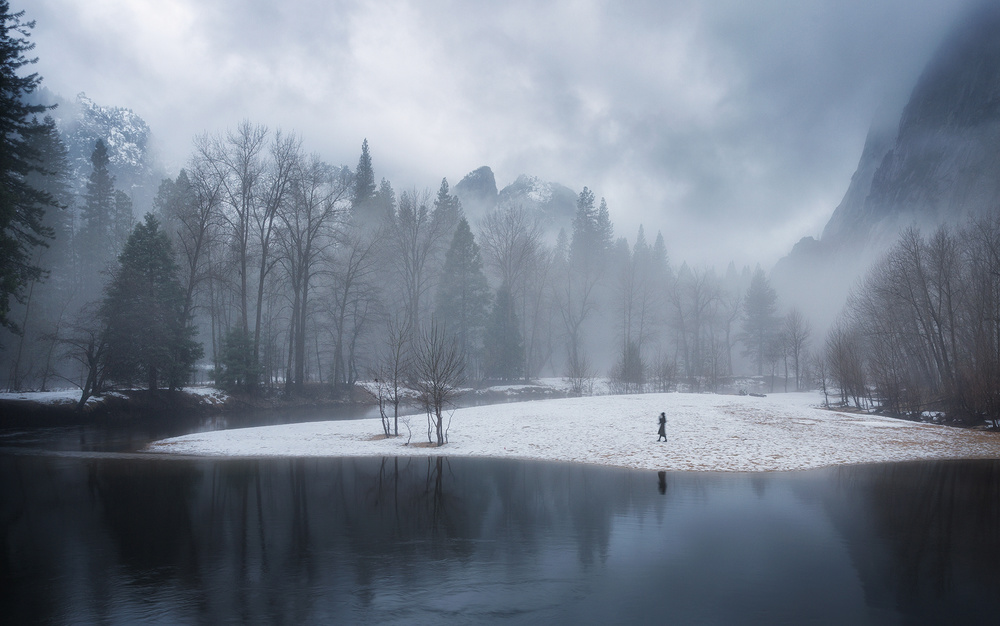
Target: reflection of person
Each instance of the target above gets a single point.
(662, 482)
(663, 427)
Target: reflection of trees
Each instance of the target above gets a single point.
(31, 544)
(938, 524)
(332, 539)
(146, 507)
(292, 539)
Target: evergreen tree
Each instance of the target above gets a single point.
(107, 221)
(385, 200)
(96, 232)
(661, 262)
(584, 228)
(605, 230)
(593, 233)
(589, 252)
(464, 294)
(122, 221)
(45, 301)
(52, 178)
(629, 373)
(99, 199)
(447, 210)
(504, 358)
(364, 190)
(22, 206)
(760, 319)
(173, 201)
(237, 372)
(143, 313)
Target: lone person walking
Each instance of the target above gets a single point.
(663, 427)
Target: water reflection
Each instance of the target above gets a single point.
(126, 434)
(926, 537)
(432, 539)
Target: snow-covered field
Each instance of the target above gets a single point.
(706, 433)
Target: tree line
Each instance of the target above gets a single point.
(921, 332)
(263, 268)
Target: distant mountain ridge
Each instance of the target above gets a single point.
(82, 122)
(939, 164)
(554, 204)
(944, 163)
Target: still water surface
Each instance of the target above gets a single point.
(124, 540)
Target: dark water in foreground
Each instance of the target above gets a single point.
(123, 540)
(128, 435)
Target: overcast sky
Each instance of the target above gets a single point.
(731, 126)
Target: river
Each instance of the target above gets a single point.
(93, 533)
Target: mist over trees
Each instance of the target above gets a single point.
(268, 270)
(286, 271)
(922, 331)
(148, 335)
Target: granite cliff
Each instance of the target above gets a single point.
(938, 164)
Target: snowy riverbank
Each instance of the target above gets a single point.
(60, 407)
(706, 433)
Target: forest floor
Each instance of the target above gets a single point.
(706, 432)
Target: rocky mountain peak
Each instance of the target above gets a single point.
(127, 137)
(553, 203)
(478, 192)
(937, 163)
(941, 165)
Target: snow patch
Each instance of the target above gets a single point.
(211, 395)
(705, 433)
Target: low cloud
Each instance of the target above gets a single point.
(727, 125)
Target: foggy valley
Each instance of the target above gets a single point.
(218, 216)
(301, 264)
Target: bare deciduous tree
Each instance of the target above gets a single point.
(353, 298)
(845, 359)
(85, 343)
(439, 370)
(796, 333)
(278, 178)
(413, 238)
(393, 367)
(235, 162)
(318, 197)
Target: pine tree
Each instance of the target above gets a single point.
(584, 228)
(385, 200)
(605, 231)
(593, 233)
(52, 178)
(447, 210)
(99, 198)
(45, 300)
(22, 206)
(504, 358)
(236, 371)
(143, 313)
(760, 319)
(173, 201)
(364, 189)
(464, 294)
(96, 233)
(121, 221)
